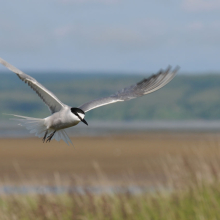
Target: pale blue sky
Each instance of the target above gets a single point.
(111, 35)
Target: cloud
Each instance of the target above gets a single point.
(63, 31)
(88, 1)
(201, 5)
(201, 34)
(140, 35)
(208, 26)
(195, 26)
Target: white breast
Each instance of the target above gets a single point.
(63, 119)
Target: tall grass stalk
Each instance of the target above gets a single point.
(202, 202)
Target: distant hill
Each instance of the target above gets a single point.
(186, 97)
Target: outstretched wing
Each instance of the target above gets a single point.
(144, 87)
(48, 97)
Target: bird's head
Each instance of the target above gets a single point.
(80, 114)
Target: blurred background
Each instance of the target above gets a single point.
(82, 50)
(87, 49)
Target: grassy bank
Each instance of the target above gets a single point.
(201, 202)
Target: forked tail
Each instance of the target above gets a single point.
(37, 126)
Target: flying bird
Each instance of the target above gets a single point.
(63, 116)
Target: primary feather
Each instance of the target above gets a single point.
(47, 96)
(141, 88)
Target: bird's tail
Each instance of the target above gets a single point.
(37, 126)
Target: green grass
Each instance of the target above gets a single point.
(201, 202)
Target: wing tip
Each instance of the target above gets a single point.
(176, 69)
(168, 69)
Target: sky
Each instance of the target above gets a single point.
(127, 36)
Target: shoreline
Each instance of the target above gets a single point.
(9, 129)
(136, 159)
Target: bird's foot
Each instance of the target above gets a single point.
(50, 136)
(45, 136)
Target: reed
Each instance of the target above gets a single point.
(184, 171)
(201, 202)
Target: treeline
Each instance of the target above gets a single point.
(186, 97)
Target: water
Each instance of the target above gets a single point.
(7, 190)
(11, 129)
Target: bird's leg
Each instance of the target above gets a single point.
(50, 136)
(44, 138)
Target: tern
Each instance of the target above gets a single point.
(63, 116)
